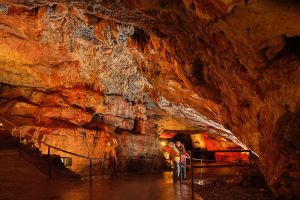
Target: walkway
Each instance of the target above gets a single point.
(21, 180)
(131, 187)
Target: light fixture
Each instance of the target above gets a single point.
(163, 143)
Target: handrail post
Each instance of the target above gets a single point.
(102, 173)
(124, 165)
(201, 168)
(90, 172)
(20, 140)
(250, 164)
(180, 167)
(192, 175)
(20, 143)
(170, 162)
(49, 163)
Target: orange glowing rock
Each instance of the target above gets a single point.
(212, 143)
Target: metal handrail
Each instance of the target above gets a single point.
(229, 150)
(59, 149)
(82, 156)
(65, 151)
(215, 166)
(71, 153)
(68, 152)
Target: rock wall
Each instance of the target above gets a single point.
(211, 142)
(91, 143)
(228, 66)
(65, 75)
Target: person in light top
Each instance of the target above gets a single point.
(174, 154)
(184, 155)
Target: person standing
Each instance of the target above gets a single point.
(110, 156)
(174, 154)
(182, 161)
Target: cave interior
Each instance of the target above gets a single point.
(215, 75)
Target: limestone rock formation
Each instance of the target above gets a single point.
(212, 142)
(230, 67)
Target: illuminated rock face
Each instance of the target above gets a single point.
(228, 66)
(67, 77)
(211, 143)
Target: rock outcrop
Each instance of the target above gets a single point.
(231, 67)
(211, 142)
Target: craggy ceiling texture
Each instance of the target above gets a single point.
(226, 66)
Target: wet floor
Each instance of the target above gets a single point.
(223, 172)
(131, 187)
(21, 180)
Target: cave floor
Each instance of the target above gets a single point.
(21, 180)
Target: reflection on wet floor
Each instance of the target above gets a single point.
(142, 187)
(217, 172)
(21, 180)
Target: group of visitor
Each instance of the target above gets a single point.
(178, 156)
(177, 152)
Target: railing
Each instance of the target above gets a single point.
(59, 149)
(123, 158)
(192, 166)
(65, 151)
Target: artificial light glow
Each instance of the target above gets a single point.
(163, 143)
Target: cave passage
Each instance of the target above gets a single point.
(103, 92)
(203, 146)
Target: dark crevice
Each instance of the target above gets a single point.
(119, 130)
(227, 126)
(24, 116)
(192, 6)
(90, 110)
(206, 84)
(77, 106)
(93, 19)
(141, 38)
(245, 103)
(243, 69)
(198, 72)
(287, 130)
(135, 127)
(292, 45)
(19, 99)
(290, 51)
(291, 48)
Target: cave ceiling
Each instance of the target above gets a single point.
(231, 67)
